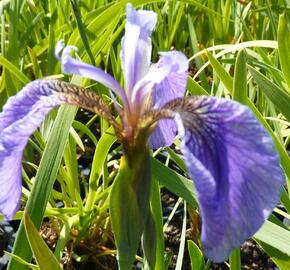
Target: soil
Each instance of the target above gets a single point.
(252, 256)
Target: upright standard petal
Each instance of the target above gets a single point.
(136, 45)
(235, 168)
(172, 71)
(21, 115)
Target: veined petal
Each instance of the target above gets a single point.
(163, 134)
(136, 45)
(21, 115)
(10, 173)
(170, 77)
(235, 168)
(171, 70)
(77, 67)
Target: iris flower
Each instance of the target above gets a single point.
(229, 155)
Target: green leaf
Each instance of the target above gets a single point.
(180, 255)
(196, 256)
(199, 62)
(284, 47)
(101, 152)
(85, 130)
(149, 240)
(221, 72)
(240, 78)
(156, 208)
(81, 28)
(275, 94)
(285, 200)
(180, 14)
(14, 70)
(44, 181)
(51, 59)
(275, 236)
(174, 182)
(77, 139)
(275, 240)
(177, 159)
(280, 259)
(194, 88)
(235, 259)
(43, 255)
(18, 259)
(34, 62)
(129, 205)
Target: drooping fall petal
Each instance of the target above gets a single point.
(21, 115)
(235, 167)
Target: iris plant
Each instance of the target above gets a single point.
(229, 155)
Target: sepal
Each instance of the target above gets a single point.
(129, 205)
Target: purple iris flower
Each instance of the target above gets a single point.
(229, 155)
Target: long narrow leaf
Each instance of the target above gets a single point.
(14, 70)
(284, 47)
(222, 73)
(174, 182)
(278, 97)
(196, 256)
(43, 255)
(240, 79)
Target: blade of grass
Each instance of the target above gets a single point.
(240, 78)
(51, 59)
(82, 31)
(276, 95)
(195, 49)
(284, 47)
(43, 255)
(235, 260)
(222, 73)
(194, 88)
(196, 256)
(14, 70)
(181, 252)
(275, 240)
(174, 182)
(156, 207)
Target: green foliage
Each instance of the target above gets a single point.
(196, 257)
(43, 255)
(220, 37)
(130, 209)
(235, 259)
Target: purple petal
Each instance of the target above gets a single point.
(163, 135)
(136, 45)
(10, 180)
(173, 66)
(73, 66)
(20, 117)
(235, 168)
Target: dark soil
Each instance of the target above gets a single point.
(252, 256)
